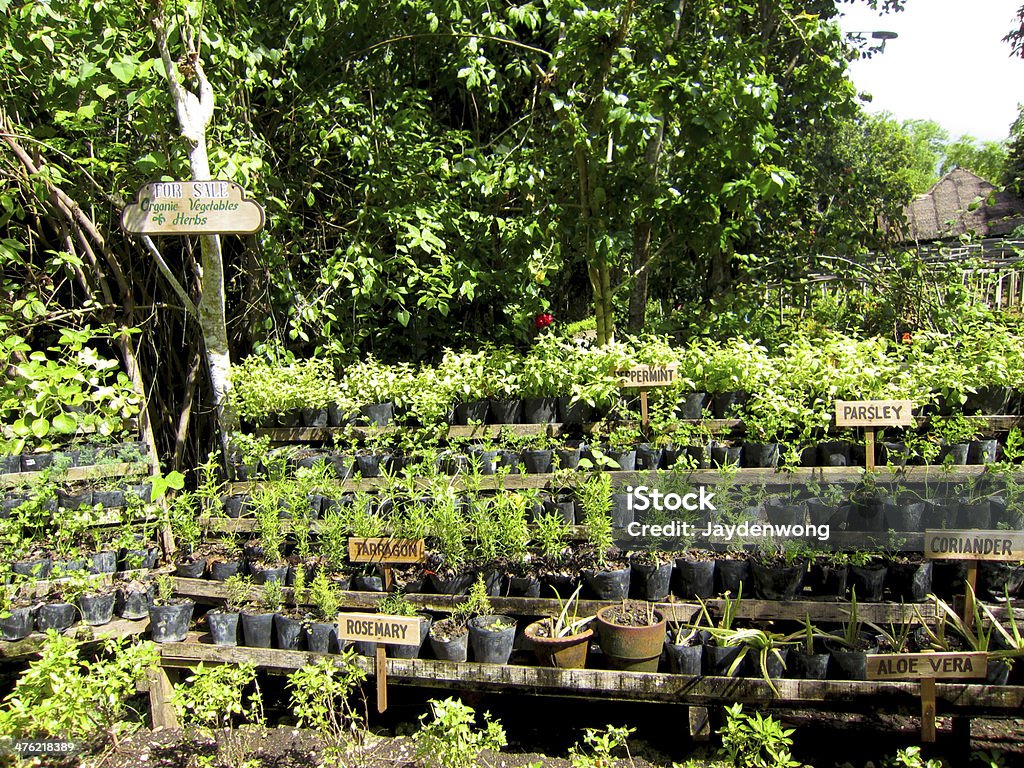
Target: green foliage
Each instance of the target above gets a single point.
(211, 698)
(756, 741)
(322, 694)
(600, 745)
(62, 695)
(324, 595)
(449, 739)
(911, 757)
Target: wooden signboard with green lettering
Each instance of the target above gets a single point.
(192, 208)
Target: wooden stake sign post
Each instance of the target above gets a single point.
(643, 377)
(384, 553)
(872, 414)
(926, 667)
(381, 629)
(972, 546)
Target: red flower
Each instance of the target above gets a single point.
(543, 320)
(905, 338)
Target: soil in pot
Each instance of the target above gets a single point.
(169, 623)
(449, 640)
(223, 627)
(631, 636)
(568, 652)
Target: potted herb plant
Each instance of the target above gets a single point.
(223, 621)
(631, 635)
(169, 616)
(562, 641)
(258, 622)
(491, 635)
(322, 630)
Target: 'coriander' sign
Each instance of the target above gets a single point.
(974, 545)
(379, 628)
(384, 551)
(874, 413)
(192, 208)
(647, 376)
(901, 666)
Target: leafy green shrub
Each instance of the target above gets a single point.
(756, 741)
(212, 697)
(322, 695)
(62, 695)
(450, 741)
(601, 744)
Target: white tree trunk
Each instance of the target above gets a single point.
(194, 114)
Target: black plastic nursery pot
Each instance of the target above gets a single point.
(719, 659)
(827, 580)
(222, 570)
(773, 666)
(573, 412)
(997, 579)
(609, 584)
(57, 616)
(695, 578)
(264, 574)
(97, 609)
(760, 455)
(725, 404)
(475, 411)
(868, 581)
(257, 629)
(194, 569)
(731, 575)
(289, 631)
(451, 648)
(322, 637)
(692, 405)
(17, 624)
(377, 414)
(170, 623)
(648, 456)
(726, 455)
(909, 582)
(104, 561)
(625, 459)
(39, 567)
(506, 411)
(540, 410)
(412, 651)
(806, 666)
(133, 604)
(684, 659)
(457, 584)
(851, 664)
(523, 586)
(223, 627)
(650, 581)
(537, 460)
(777, 582)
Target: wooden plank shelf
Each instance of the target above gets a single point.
(482, 431)
(623, 686)
(770, 477)
(33, 644)
(80, 474)
(831, 611)
(325, 435)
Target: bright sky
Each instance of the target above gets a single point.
(949, 64)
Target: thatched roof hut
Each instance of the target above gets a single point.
(962, 202)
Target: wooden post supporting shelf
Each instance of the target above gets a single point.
(643, 377)
(926, 667)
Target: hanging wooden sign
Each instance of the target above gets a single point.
(874, 413)
(382, 551)
(192, 208)
(647, 376)
(974, 545)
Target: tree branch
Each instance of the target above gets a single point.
(165, 270)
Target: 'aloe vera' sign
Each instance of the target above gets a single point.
(904, 666)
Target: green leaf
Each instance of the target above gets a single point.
(104, 91)
(40, 428)
(65, 423)
(123, 69)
